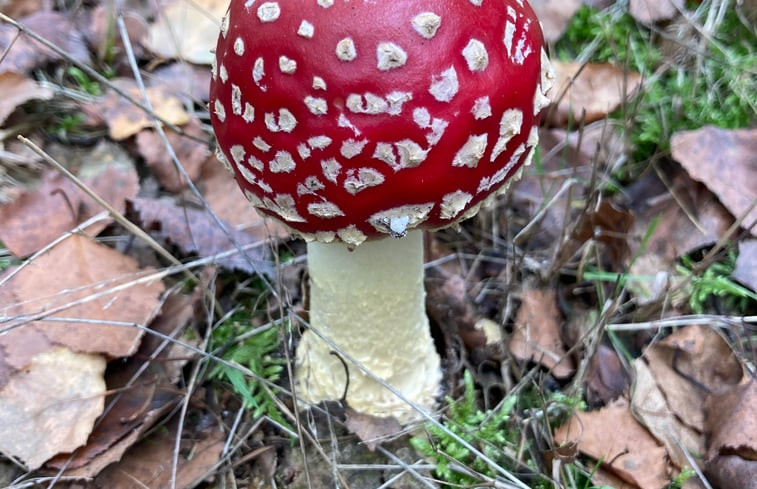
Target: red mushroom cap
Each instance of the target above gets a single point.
(357, 119)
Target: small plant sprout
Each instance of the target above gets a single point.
(358, 125)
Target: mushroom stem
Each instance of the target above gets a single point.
(370, 303)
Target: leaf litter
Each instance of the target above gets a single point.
(528, 290)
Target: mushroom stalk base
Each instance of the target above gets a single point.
(371, 303)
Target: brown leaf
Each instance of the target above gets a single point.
(51, 405)
(728, 471)
(189, 80)
(589, 91)
(371, 430)
(195, 231)
(124, 119)
(39, 216)
(26, 54)
(613, 435)
(732, 421)
(555, 15)
(726, 162)
(190, 153)
(650, 11)
(537, 333)
(99, 32)
(187, 30)
(149, 463)
(19, 8)
(17, 90)
(605, 379)
(746, 264)
(76, 279)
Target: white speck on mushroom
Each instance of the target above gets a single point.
(221, 157)
(361, 179)
(373, 104)
(509, 126)
(344, 122)
(325, 210)
(540, 100)
(247, 174)
(475, 55)
(269, 11)
(533, 137)
(477, 3)
(237, 153)
(351, 235)
(331, 169)
(287, 65)
(306, 30)
(390, 56)
(303, 150)
(253, 199)
(319, 83)
(260, 143)
(223, 74)
(264, 186)
(385, 152)
(396, 99)
(411, 154)
(249, 113)
(258, 72)
(285, 206)
(255, 163)
(547, 73)
(219, 110)
(236, 100)
(214, 68)
(422, 117)
(351, 148)
(438, 126)
(426, 24)
(310, 186)
(398, 220)
(319, 142)
(482, 108)
(471, 152)
(521, 50)
(508, 39)
(453, 204)
(529, 157)
(225, 25)
(345, 49)
(325, 3)
(445, 86)
(239, 46)
(285, 122)
(316, 106)
(282, 162)
(487, 183)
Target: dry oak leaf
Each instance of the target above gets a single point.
(124, 119)
(726, 162)
(537, 333)
(17, 90)
(555, 15)
(80, 282)
(650, 11)
(39, 216)
(589, 91)
(626, 448)
(371, 430)
(51, 405)
(187, 30)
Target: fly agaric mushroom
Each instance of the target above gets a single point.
(353, 121)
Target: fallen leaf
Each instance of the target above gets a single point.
(731, 471)
(195, 231)
(19, 8)
(25, 54)
(537, 333)
(613, 436)
(39, 216)
(17, 90)
(746, 264)
(555, 15)
(189, 80)
(51, 405)
(100, 32)
(651, 11)
(726, 162)
(448, 304)
(190, 153)
(124, 119)
(371, 430)
(149, 463)
(605, 379)
(222, 194)
(589, 91)
(79, 279)
(187, 30)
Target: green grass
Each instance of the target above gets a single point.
(713, 83)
